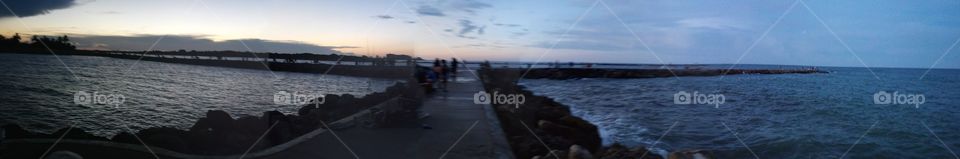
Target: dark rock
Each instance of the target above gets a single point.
(282, 127)
(571, 134)
(557, 129)
(590, 134)
(691, 154)
(306, 109)
(578, 152)
(15, 131)
(526, 147)
(216, 120)
(577, 122)
(125, 137)
(75, 133)
(617, 151)
(166, 137)
(63, 155)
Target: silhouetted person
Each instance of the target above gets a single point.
(454, 64)
(438, 71)
(444, 74)
(431, 80)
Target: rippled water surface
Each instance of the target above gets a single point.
(776, 116)
(37, 92)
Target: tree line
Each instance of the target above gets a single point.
(36, 43)
(40, 44)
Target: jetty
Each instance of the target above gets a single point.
(572, 73)
(388, 66)
(455, 128)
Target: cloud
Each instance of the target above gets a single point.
(429, 11)
(722, 31)
(26, 8)
(518, 34)
(689, 29)
(469, 6)
(437, 9)
(467, 27)
(712, 23)
(195, 42)
(506, 25)
(384, 16)
(593, 45)
(105, 12)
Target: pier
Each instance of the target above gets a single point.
(455, 128)
(572, 73)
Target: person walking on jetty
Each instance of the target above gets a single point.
(431, 79)
(438, 71)
(453, 69)
(454, 64)
(444, 74)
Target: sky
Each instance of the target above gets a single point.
(854, 33)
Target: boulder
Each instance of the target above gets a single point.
(558, 129)
(590, 134)
(15, 131)
(166, 137)
(617, 151)
(75, 133)
(577, 122)
(578, 152)
(214, 121)
(63, 155)
(573, 135)
(558, 153)
(691, 154)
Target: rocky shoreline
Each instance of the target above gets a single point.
(218, 133)
(540, 122)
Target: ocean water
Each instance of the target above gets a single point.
(37, 92)
(775, 116)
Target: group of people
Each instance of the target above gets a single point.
(440, 73)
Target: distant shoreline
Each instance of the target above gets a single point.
(377, 67)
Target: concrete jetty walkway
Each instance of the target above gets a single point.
(458, 129)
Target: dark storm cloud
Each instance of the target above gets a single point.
(193, 42)
(26, 8)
